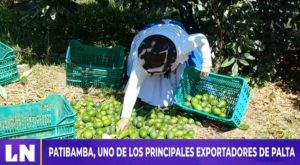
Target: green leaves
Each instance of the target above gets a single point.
(53, 14)
(244, 62)
(248, 56)
(235, 69)
(228, 62)
(45, 10)
(234, 34)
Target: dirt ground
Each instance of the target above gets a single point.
(273, 111)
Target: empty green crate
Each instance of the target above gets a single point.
(8, 66)
(94, 66)
(232, 89)
(111, 78)
(52, 118)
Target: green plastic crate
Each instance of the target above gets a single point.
(88, 80)
(232, 89)
(8, 66)
(52, 118)
(94, 66)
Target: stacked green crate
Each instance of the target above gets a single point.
(8, 66)
(52, 118)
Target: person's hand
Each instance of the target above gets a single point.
(122, 123)
(205, 71)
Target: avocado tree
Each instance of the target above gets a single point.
(248, 37)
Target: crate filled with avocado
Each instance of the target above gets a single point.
(209, 104)
(217, 97)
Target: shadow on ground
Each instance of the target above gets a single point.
(290, 74)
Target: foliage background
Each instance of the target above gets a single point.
(258, 39)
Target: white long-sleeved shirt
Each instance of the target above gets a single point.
(184, 44)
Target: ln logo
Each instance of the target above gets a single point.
(29, 153)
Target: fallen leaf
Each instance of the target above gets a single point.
(3, 92)
(27, 73)
(244, 127)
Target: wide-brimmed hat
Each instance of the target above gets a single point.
(156, 54)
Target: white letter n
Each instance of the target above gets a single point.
(24, 152)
